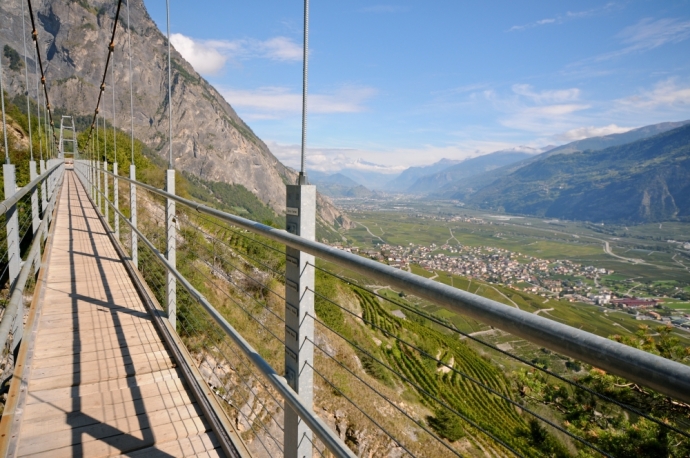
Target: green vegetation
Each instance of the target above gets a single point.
(16, 62)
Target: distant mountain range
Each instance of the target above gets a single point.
(407, 179)
(471, 167)
(463, 189)
(644, 180)
(339, 185)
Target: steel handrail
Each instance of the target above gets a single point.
(663, 375)
(9, 202)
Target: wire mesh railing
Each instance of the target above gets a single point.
(24, 226)
(390, 379)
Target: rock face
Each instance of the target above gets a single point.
(209, 138)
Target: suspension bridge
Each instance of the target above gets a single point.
(138, 322)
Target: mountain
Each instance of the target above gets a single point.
(338, 185)
(468, 168)
(644, 181)
(406, 179)
(210, 140)
(463, 189)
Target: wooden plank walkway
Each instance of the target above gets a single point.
(101, 382)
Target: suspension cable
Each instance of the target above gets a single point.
(112, 82)
(131, 77)
(170, 157)
(111, 47)
(34, 36)
(38, 109)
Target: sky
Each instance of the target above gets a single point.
(406, 83)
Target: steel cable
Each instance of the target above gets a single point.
(510, 355)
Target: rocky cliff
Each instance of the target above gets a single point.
(209, 138)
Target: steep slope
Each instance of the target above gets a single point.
(643, 181)
(466, 169)
(463, 189)
(412, 174)
(209, 138)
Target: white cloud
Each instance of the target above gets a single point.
(275, 102)
(210, 56)
(570, 15)
(665, 94)
(552, 96)
(205, 59)
(648, 34)
(386, 161)
(544, 112)
(586, 132)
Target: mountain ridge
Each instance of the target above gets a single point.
(647, 180)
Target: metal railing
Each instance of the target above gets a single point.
(237, 262)
(26, 228)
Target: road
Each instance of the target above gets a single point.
(370, 233)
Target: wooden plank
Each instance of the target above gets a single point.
(203, 445)
(102, 381)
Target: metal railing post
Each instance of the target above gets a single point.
(35, 220)
(12, 223)
(171, 245)
(106, 195)
(299, 311)
(44, 200)
(98, 185)
(133, 213)
(116, 202)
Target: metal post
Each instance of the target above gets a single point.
(106, 194)
(98, 184)
(44, 200)
(299, 310)
(170, 249)
(36, 221)
(12, 223)
(116, 202)
(133, 212)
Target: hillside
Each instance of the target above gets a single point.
(210, 140)
(463, 189)
(644, 181)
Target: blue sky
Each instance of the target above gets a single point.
(404, 83)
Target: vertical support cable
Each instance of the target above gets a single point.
(131, 82)
(4, 121)
(170, 151)
(305, 81)
(116, 217)
(106, 196)
(171, 246)
(38, 109)
(171, 290)
(26, 75)
(132, 167)
(299, 286)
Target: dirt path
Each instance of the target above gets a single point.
(371, 233)
(509, 299)
(536, 312)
